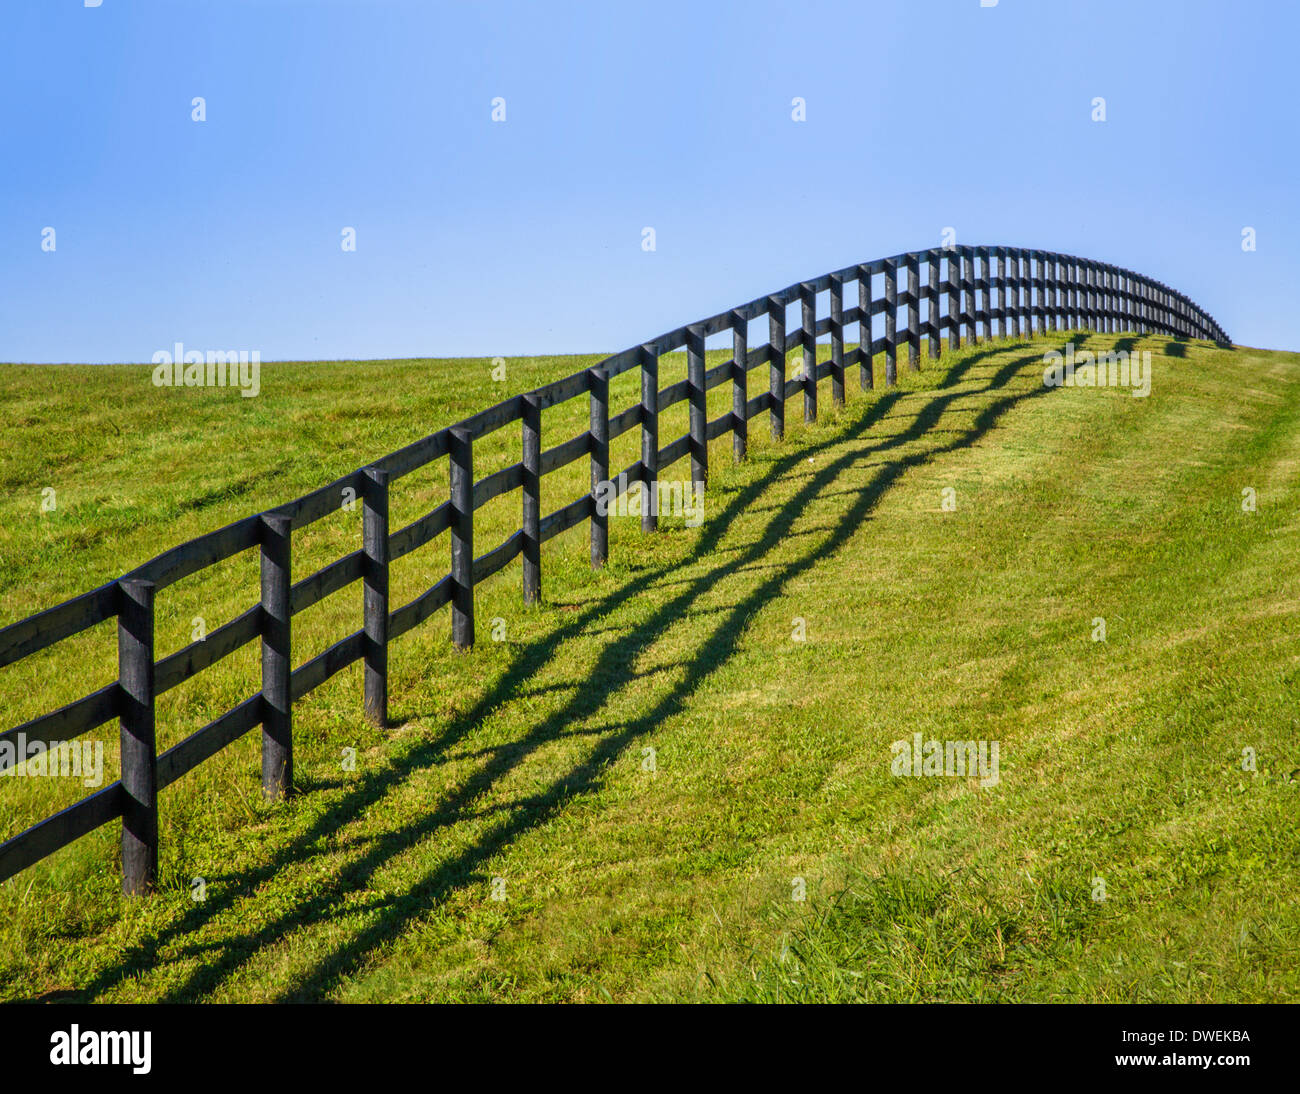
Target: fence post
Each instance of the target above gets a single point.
(968, 272)
(277, 666)
(891, 322)
(532, 498)
(374, 537)
(1053, 305)
(1026, 294)
(699, 417)
(1065, 278)
(954, 298)
(808, 336)
(650, 439)
(135, 675)
(1095, 297)
(932, 296)
(599, 386)
(866, 374)
(1037, 317)
(460, 452)
(1002, 291)
(740, 386)
(983, 257)
(1011, 293)
(776, 373)
(1028, 284)
(1072, 292)
(1049, 317)
(913, 312)
(837, 340)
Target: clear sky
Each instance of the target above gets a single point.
(483, 238)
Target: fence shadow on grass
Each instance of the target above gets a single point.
(222, 959)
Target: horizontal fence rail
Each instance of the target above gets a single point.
(965, 291)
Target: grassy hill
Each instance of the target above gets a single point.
(933, 559)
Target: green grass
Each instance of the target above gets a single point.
(525, 760)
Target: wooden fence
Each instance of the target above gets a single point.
(1036, 292)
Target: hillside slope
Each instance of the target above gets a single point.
(652, 768)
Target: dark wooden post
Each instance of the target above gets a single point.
(891, 322)
(599, 386)
(954, 298)
(532, 498)
(1031, 299)
(1026, 294)
(1002, 292)
(837, 340)
(913, 312)
(1045, 289)
(699, 417)
(1049, 286)
(650, 439)
(1010, 291)
(932, 279)
(968, 279)
(461, 459)
(374, 535)
(1072, 292)
(983, 259)
(739, 386)
(1038, 320)
(808, 336)
(277, 663)
(866, 375)
(135, 675)
(776, 375)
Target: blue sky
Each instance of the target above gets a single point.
(479, 238)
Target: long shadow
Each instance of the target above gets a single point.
(587, 776)
(371, 788)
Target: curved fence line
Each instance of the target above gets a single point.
(965, 289)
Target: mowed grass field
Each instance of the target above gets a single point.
(624, 797)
